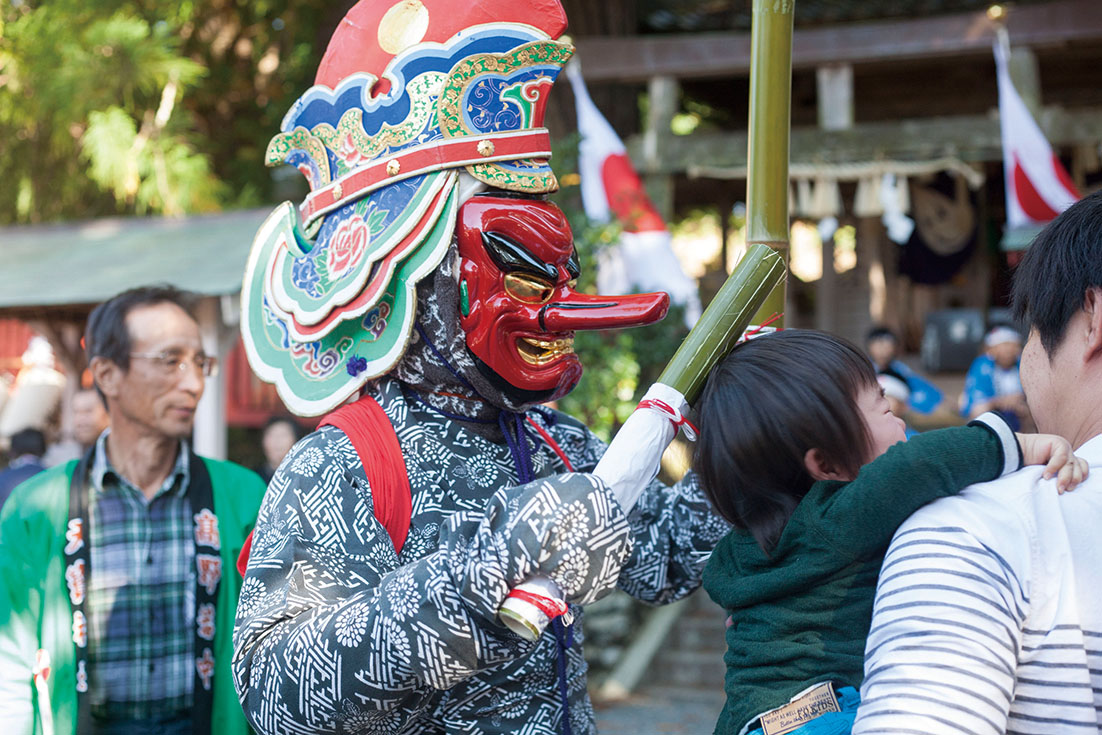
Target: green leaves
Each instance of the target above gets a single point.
(109, 106)
(139, 59)
(619, 364)
(108, 143)
(150, 172)
(95, 84)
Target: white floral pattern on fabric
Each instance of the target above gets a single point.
(356, 720)
(572, 572)
(480, 471)
(351, 625)
(571, 527)
(401, 593)
(307, 462)
(251, 592)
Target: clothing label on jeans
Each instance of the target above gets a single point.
(814, 702)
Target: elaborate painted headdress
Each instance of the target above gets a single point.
(407, 96)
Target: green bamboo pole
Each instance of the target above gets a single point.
(752, 286)
(764, 266)
(770, 121)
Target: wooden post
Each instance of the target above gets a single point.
(210, 417)
(835, 107)
(826, 290)
(664, 100)
(770, 124)
(869, 234)
(725, 208)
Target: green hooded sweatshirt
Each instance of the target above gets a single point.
(800, 614)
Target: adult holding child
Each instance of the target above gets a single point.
(800, 451)
(988, 617)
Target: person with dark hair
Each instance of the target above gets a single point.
(988, 617)
(279, 435)
(799, 451)
(89, 418)
(882, 345)
(27, 448)
(116, 579)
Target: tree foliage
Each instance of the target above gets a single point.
(132, 107)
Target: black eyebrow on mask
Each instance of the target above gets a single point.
(572, 265)
(509, 255)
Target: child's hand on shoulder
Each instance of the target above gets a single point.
(1054, 452)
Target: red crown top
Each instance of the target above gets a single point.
(374, 31)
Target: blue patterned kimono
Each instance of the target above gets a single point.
(337, 634)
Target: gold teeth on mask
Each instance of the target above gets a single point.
(542, 352)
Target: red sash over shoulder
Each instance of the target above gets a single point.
(372, 434)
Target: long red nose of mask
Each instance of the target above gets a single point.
(579, 311)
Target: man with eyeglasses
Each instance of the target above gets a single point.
(117, 570)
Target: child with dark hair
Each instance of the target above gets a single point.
(799, 450)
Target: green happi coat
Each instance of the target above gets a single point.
(34, 606)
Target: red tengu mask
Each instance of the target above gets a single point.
(518, 305)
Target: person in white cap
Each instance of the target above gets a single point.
(992, 382)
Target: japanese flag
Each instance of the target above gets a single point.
(1037, 186)
(643, 259)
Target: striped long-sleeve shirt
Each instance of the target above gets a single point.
(988, 613)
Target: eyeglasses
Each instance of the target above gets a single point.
(171, 362)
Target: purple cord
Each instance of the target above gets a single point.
(525, 450)
(517, 441)
(564, 637)
(547, 414)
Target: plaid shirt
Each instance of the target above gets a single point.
(141, 595)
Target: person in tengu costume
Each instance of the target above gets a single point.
(427, 274)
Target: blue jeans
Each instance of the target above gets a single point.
(830, 723)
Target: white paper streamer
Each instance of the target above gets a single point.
(633, 458)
